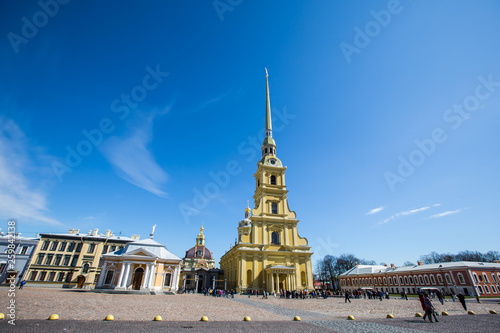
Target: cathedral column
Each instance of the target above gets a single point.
(288, 286)
(285, 234)
(277, 282)
(125, 275)
(146, 277)
(272, 282)
(103, 272)
(255, 283)
(309, 283)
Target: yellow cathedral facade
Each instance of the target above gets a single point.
(269, 254)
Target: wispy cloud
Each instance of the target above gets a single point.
(19, 198)
(375, 210)
(405, 213)
(132, 160)
(450, 212)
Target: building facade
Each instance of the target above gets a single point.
(71, 260)
(142, 265)
(198, 270)
(269, 253)
(467, 277)
(18, 251)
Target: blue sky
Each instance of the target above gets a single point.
(117, 115)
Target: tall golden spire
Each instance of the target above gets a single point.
(268, 146)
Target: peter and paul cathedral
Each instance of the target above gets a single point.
(269, 253)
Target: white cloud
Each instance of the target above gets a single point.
(375, 210)
(19, 160)
(404, 213)
(450, 212)
(133, 161)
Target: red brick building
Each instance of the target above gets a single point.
(467, 277)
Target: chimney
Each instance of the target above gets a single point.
(108, 232)
(95, 232)
(76, 231)
(133, 237)
(90, 231)
(137, 237)
(419, 263)
(71, 231)
(392, 265)
(355, 264)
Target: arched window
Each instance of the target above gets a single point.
(433, 280)
(275, 238)
(109, 276)
(475, 278)
(485, 278)
(273, 180)
(274, 208)
(426, 279)
(86, 267)
(168, 277)
(411, 280)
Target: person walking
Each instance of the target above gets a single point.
(440, 297)
(452, 295)
(347, 298)
(23, 282)
(429, 308)
(461, 299)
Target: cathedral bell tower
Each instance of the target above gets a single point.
(269, 255)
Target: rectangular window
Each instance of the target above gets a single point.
(69, 277)
(52, 275)
(54, 246)
(62, 247)
(42, 276)
(71, 247)
(79, 247)
(66, 260)
(60, 277)
(91, 248)
(48, 260)
(74, 261)
(45, 245)
(113, 248)
(105, 249)
(39, 260)
(33, 275)
(24, 250)
(109, 277)
(57, 262)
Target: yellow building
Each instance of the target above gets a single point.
(269, 254)
(73, 259)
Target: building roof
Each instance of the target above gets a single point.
(371, 269)
(193, 252)
(152, 247)
(86, 236)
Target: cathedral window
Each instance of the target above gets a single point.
(85, 268)
(273, 180)
(274, 208)
(275, 238)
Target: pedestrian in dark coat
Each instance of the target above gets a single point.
(461, 298)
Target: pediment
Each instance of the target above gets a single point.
(140, 252)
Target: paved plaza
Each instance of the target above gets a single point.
(85, 311)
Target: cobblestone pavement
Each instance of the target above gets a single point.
(84, 311)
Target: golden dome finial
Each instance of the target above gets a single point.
(248, 206)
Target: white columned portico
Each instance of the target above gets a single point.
(101, 277)
(146, 276)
